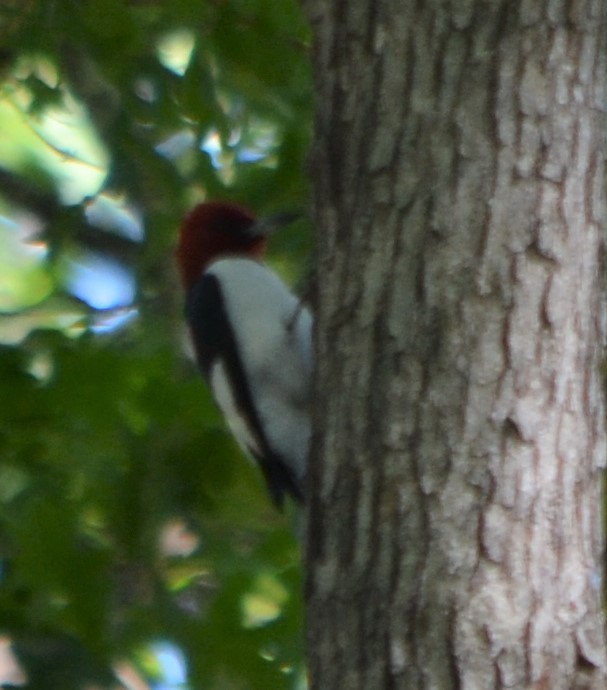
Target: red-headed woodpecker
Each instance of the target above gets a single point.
(252, 339)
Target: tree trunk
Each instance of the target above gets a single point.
(455, 534)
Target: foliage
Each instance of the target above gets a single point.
(128, 518)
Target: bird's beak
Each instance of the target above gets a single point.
(266, 226)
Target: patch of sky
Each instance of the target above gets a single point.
(112, 321)
(100, 282)
(177, 144)
(113, 214)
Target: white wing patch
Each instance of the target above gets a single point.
(224, 396)
(275, 350)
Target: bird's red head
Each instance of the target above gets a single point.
(211, 230)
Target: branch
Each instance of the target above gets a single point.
(47, 207)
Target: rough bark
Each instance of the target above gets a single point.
(455, 535)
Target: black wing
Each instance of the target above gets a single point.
(214, 341)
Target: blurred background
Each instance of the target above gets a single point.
(138, 548)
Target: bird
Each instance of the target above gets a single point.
(252, 339)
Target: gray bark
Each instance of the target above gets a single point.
(455, 535)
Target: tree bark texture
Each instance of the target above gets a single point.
(455, 531)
